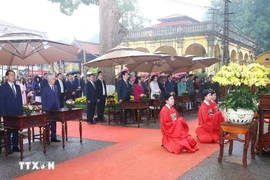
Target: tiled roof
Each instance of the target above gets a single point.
(171, 23)
(90, 47)
(171, 16)
(7, 23)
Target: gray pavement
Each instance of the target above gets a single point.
(231, 167)
(9, 167)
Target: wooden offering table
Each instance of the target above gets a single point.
(156, 105)
(183, 100)
(136, 105)
(264, 138)
(250, 132)
(63, 115)
(21, 122)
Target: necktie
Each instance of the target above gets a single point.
(79, 82)
(13, 89)
(126, 83)
(94, 85)
(53, 88)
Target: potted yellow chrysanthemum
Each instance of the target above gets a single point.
(240, 103)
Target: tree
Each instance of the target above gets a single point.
(111, 31)
(251, 18)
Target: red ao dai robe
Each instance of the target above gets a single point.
(175, 132)
(209, 123)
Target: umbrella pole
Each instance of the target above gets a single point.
(84, 68)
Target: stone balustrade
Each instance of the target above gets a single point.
(202, 28)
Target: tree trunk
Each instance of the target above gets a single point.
(111, 33)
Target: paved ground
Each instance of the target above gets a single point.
(230, 168)
(9, 167)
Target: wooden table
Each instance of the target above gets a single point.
(156, 104)
(136, 105)
(264, 138)
(63, 115)
(183, 100)
(3, 135)
(250, 132)
(21, 122)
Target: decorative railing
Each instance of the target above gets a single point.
(199, 28)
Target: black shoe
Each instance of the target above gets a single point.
(102, 120)
(93, 122)
(55, 140)
(10, 152)
(16, 149)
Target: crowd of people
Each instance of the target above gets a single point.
(176, 137)
(52, 92)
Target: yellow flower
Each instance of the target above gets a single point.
(235, 74)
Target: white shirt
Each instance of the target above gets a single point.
(206, 102)
(103, 88)
(52, 88)
(154, 88)
(93, 84)
(61, 85)
(168, 106)
(10, 84)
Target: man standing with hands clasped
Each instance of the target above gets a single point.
(50, 101)
(11, 104)
(91, 99)
(124, 91)
(101, 95)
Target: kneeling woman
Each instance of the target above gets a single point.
(209, 120)
(175, 130)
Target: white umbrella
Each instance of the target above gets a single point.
(198, 63)
(166, 64)
(121, 55)
(28, 48)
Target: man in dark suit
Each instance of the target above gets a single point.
(61, 86)
(44, 81)
(11, 104)
(101, 95)
(124, 92)
(169, 84)
(71, 88)
(91, 99)
(79, 82)
(50, 101)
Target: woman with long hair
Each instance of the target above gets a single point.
(22, 85)
(175, 131)
(137, 88)
(154, 86)
(37, 88)
(209, 120)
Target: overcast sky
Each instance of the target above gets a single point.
(45, 16)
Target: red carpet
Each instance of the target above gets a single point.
(138, 155)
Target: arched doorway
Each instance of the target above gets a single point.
(233, 56)
(246, 60)
(167, 49)
(195, 49)
(251, 59)
(216, 67)
(142, 49)
(241, 60)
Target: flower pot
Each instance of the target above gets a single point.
(241, 116)
(264, 101)
(28, 113)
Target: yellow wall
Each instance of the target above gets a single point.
(261, 59)
(172, 45)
